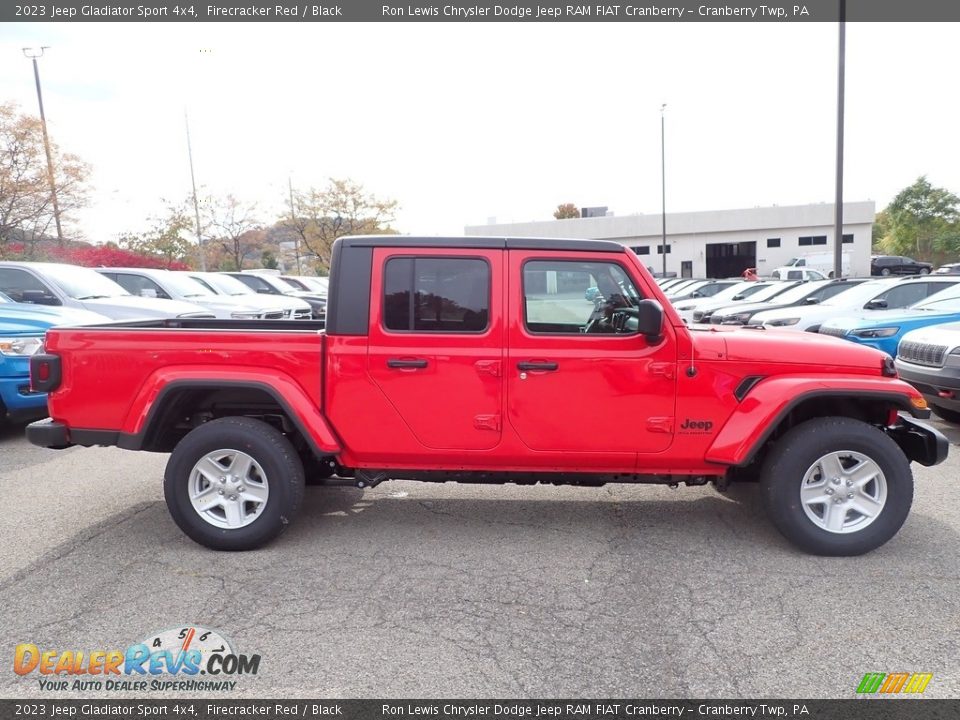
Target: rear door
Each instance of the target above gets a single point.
(574, 386)
(436, 342)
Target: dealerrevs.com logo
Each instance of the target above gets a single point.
(173, 659)
(894, 683)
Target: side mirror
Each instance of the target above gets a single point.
(876, 304)
(812, 301)
(148, 293)
(650, 321)
(696, 294)
(39, 297)
(264, 291)
(738, 297)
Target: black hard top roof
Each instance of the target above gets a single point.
(484, 243)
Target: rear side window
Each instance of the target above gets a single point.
(424, 294)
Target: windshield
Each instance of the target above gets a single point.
(82, 283)
(283, 283)
(770, 291)
(183, 285)
(942, 305)
(226, 285)
(310, 283)
(744, 288)
(860, 293)
(937, 301)
(800, 291)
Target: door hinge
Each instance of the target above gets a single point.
(668, 370)
(486, 422)
(660, 424)
(489, 367)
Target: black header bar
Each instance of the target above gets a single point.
(478, 11)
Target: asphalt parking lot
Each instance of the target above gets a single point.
(423, 590)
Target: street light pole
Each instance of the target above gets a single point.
(33, 54)
(293, 219)
(196, 205)
(663, 190)
(838, 203)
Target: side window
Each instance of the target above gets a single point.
(14, 282)
(904, 295)
(794, 275)
(140, 285)
(828, 291)
(567, 296)
(424, 294)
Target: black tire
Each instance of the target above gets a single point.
(885, 271)
(269, 448)
(924, 271)
(799, 449)
(951, 416)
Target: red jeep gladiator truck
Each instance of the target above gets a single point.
(492, 360)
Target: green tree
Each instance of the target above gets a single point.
(566, 211)
(921, 221)
(268, 260)
(168, 239)
(320, 216)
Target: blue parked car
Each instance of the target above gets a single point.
(22, 328)
(884, 328)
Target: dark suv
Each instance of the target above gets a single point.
(897, 265)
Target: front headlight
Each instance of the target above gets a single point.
(875, 332)
(21, 346)
(739, 318)
(250, 315)
(782, 322)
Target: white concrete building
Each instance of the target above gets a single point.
(719, 243)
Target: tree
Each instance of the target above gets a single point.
(26, 204)
(232, 224)
(318, 217)
(166, 240)
(566, 211)
(922, 221)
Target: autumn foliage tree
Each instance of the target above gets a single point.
(566, 211)
(167, 242)
(26, 203)
(320, 216)
(232, 224)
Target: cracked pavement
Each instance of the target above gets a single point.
(428, 590)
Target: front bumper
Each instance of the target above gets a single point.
(20, 402)
(920, 442)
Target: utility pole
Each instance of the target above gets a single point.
(838, 206)
(33, 54)
(293, 219)
(663, 189)
(196, 205)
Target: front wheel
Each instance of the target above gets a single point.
(233, 483)
(837, 486)
(885, 271)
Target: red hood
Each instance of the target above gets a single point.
(793, 348)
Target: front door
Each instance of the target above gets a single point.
(436, 343)
(575, 381)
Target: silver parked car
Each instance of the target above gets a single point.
(79, 287)
(277, 306)
(148, 282)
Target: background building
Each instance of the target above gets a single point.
(719, 243)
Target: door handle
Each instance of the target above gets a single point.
(417, 363)
(538, 365)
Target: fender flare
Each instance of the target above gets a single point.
(303, 412)
(768, 402)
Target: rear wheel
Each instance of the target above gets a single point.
(924, 271)
(885, 271)
(837, 486)
(233, 483)
(946, 414)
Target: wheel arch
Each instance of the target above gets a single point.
(173, 407)
(745, 436)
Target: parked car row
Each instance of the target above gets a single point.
(914, 319)
(36, 296)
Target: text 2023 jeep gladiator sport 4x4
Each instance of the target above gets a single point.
(481, 360)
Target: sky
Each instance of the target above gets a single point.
(462, 123)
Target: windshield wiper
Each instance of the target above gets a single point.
(93, 297)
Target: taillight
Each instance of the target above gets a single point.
(44, 372)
